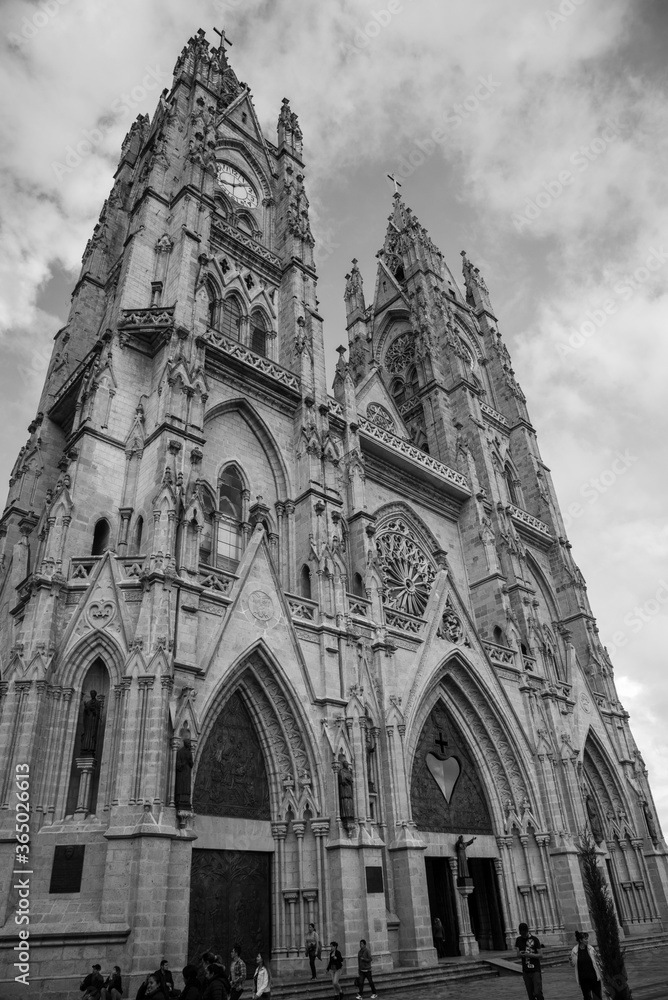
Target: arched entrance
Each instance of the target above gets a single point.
(230, 883)
(448, 800)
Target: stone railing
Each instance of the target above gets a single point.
(246, 241)
(529, 520)
(256, 361)
(216, 580)
(359, 606)
(398, 444)
(504, 656)
(493, 414)
(402, 622)
(301, 608)
(153, 316)
(335, 407)
(131, 567)
(81, 569)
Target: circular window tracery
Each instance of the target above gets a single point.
(378, 415)
(408, 572)
(400, 353)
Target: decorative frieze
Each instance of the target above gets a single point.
(421, 457)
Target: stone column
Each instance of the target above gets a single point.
(290, 896)
(279, 832)
(637, 845)
(174, 747)
(85, 766)
(320, 829)
(292, 552)
(299, 828)
(467, 942)
(310, 896)
(504, 902)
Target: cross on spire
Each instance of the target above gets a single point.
(397, 184)
(440, 742)
(223, 40)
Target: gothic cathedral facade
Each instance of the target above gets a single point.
(329, 633)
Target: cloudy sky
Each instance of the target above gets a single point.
(531, 133)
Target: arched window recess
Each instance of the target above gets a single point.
(259, 333)
(232, 316)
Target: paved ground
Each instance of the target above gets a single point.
(648, 978)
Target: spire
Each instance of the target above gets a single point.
(406, 242)
(354, 291)
(289, 132)
(211, 66)
(477, 293)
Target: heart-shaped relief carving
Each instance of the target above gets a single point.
(445, 773)
(101, 613)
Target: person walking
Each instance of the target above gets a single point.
(528, 947)
(313, 948)
(113, 986)
(334, 966)
(261, 980)
(364, 961)
(439, 937)
(237, 973)
(587, 970)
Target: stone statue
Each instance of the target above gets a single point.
(594, 819)
(462, 862)
(346, 792)
(651, 826)
(91, 724)
(184, 766)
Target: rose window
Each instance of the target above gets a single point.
(400, 353)
(379, 416)
(408, 573)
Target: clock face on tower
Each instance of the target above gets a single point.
(236, 185)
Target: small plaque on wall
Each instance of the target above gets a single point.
(374, 879)
(67, 868)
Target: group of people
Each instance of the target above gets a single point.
(313, 948)
(582, 957)
(208, 981)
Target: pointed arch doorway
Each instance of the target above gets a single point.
(448, 798)
(231, 873)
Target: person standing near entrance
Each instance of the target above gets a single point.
(587, 969)
(364, 961)
(439, 937)
(261, 980)
(313, 948)
(528, 947)
(237, 973)
(334, 966)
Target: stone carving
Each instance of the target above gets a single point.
(232, 777)
(462, 861)
(651, 826)
(412, 452)
(346, 791)
(261, 606)
(594, 819)
(451, 627)
(91, 723)
(400, 353)
(408, 572)
(379, 416)
(184, 766)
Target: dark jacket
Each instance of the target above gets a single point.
(114, 982)
(92, 984)
(335, 960)
(216, 988)
(191, 991)
(166, 980)
(364, 959)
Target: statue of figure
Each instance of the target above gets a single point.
(651, 826)
(184, 765)
(91, 723)
(462, 862)
(346, 792)
(594, 819)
